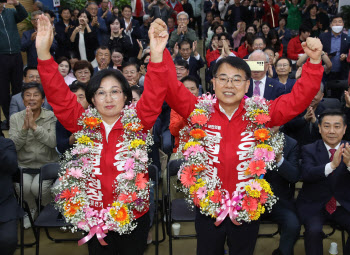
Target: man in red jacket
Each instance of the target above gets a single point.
(226, 156)
(294, 48)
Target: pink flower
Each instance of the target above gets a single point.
(129, 174)
(140, 155)
(259, 154)
(262, 119)
(255, 186)
(76, 173)
(201, 192)
(269, 155)
(187, 177)
(263, 197)
(141, 181)
(82, 224)
(85, 161)
(192, 150)
(129, 164)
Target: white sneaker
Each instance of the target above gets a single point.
(26, 221)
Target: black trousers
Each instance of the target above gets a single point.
(313, 229)
(132, 244)
(8, 237)
(11, 73)
(197, 20)
(211, 239)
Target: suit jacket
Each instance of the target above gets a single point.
(318, 189)
(288, 173)
(91, 44)
(273, 89)
(17, 104)
(344, 48)
(8, 204)
(304, 132)
(28, 46)
(194, 66)
(135, 34)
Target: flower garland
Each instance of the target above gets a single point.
(204, 190)
(131, 185)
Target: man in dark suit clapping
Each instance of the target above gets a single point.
(326, 176)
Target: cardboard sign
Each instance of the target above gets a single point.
(256, 65)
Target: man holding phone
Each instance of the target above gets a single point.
(336, 45)
(11, 71)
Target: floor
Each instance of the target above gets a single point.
(180, 246)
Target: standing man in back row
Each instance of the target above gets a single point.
(11, 71)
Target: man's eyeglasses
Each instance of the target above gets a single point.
(223, 79)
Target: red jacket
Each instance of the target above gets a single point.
(214, 55)
(227, 156)
(178, 8)
(273, 22)
(242, 51)
(294, 48)
(68, 110)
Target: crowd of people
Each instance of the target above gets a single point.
(108, 57)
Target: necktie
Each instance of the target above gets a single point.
(256, 91)
(331, 206)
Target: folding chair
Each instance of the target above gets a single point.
(18, 178)
(177, 209)
(49, 217)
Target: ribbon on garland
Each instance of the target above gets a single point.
(229, 206)
(99, 230)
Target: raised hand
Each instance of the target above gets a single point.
(31, 122)
(194, 46)
(346, 155)
(313, 48)
(337, 157)
(298, 73)
(347, 98)
(176, 49)
(44, 38)
(158, 36)
(33, 37)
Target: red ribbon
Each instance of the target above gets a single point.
(229, 206)
(98, 230)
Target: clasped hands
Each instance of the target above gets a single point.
(343, 150)
(29, 122)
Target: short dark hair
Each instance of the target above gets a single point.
(126, 6)
(253, 26)
(95, 82)
(227, 36)
(81, 64)
(137, 89)
(249, 37)
(332, 112)
(131, 63)
(72, 54)
(281, 58)
(185, 42)
(76, 85)
(182, 62)
(103, 47)
(27, 68)
(30, 85)
(112, 21)
(308, 9)
(304, 28)
(51, 13)
(63, 9)
(339, 15)
(88, 15)
(190, 78)
(61, 59)
(235, 62)
(260, 37)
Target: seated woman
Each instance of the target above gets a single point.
(33, 131)
(117, 159)
(64, 69)
(117, 59)
(283, 68)
(83, 38)
(273, 41)
(83, 71)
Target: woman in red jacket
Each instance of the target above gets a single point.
(272, 11)
(109, 93)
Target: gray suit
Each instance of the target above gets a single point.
(17, 104)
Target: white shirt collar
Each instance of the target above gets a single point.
(224, 112)
(328, 148)
(108, 128)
